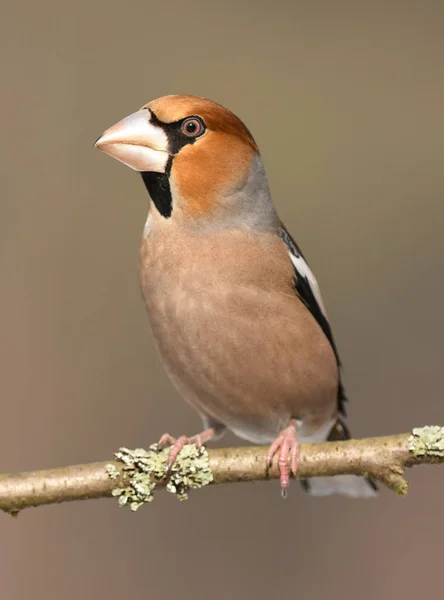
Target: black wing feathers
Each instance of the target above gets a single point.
(305, 292)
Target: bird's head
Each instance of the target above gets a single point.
(198, 160)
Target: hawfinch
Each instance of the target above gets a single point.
(235, 310)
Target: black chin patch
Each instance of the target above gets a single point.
(158, 187)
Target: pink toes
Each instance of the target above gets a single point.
(176, 446)
(175, 449)
(287, 445)
(178, 443)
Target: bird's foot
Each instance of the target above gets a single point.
(178, 443)
(288, 447)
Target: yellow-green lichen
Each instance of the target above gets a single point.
(144, 468)
(112, 471)
(427, 441)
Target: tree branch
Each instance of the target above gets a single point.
(136, 473)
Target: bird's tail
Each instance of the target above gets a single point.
(353, 486)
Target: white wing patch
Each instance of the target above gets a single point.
(304, 271)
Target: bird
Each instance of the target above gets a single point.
(234, 308)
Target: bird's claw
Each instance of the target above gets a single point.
(288, 447)
(176, 446)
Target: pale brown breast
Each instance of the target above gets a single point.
(234, 337)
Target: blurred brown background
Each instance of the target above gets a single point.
(346, 102)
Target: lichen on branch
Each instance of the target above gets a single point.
(427, 441)
(146, 468)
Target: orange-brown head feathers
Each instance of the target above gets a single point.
(217, 118)
(197, 158)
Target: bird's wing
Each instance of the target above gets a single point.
(307, 288)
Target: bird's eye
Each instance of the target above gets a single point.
(193, 127)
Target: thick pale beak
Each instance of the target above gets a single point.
(137, 143)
